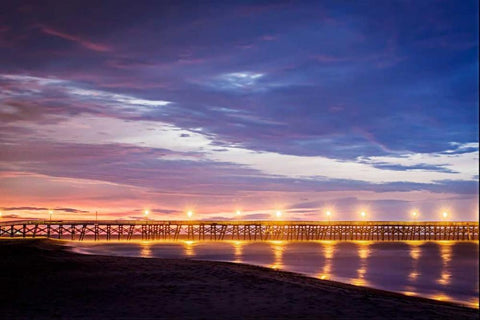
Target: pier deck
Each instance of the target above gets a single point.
(239, 230)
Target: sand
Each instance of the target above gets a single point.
(41, 279)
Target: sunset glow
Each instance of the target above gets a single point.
(294, 106)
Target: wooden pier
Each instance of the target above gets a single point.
(240, 230)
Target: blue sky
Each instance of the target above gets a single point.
(239, 105)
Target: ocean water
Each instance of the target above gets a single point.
(442, 270)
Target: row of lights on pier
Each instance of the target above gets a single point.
(279, 214)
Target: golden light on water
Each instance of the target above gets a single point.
(413, 275)
(329, 249)
(359, 282)
(473, 303)
(441, 297)
(278, 248)
(238, 250)
(363, 253)
(146, 251)
(363, 250)
(415, 253)
(328, 252)
(409, 293)
(446, 253)
(189, 248)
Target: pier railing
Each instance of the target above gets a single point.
(239, 230)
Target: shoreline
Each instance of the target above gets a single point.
(76, 247)
(46, 280)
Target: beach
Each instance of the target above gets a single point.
(42, 279)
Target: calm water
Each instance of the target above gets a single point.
(443, 270)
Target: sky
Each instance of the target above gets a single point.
(118, 107)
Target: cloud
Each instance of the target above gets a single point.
(288, 102)
(12, 216)
(29, 97)
(234, 81)
(56, 209)
(257, 216)
(85, 43)
(24, 208)
(154, 134)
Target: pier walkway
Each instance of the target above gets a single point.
(239, 230)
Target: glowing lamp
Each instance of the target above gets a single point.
(189, 214)
(279, 214)
(363, 214)
(328, 213)
(445, 215)
(146, 212)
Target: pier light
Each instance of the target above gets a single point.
(189, 214)
(445, 214)
(146, 212)
(1, 214)
(238, 212)
(278, 213)
(414, 214)
(363, 214)
(50, 212)
(328, 214)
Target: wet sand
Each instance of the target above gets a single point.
(41, 279)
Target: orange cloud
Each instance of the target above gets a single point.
(85, 43)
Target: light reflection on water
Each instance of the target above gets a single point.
(146, 250)
(443, 270)
(415, 252)
(277, 247)
(446, 252)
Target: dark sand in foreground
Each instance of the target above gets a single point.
(39, 280)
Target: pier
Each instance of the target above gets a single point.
(239, 230)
